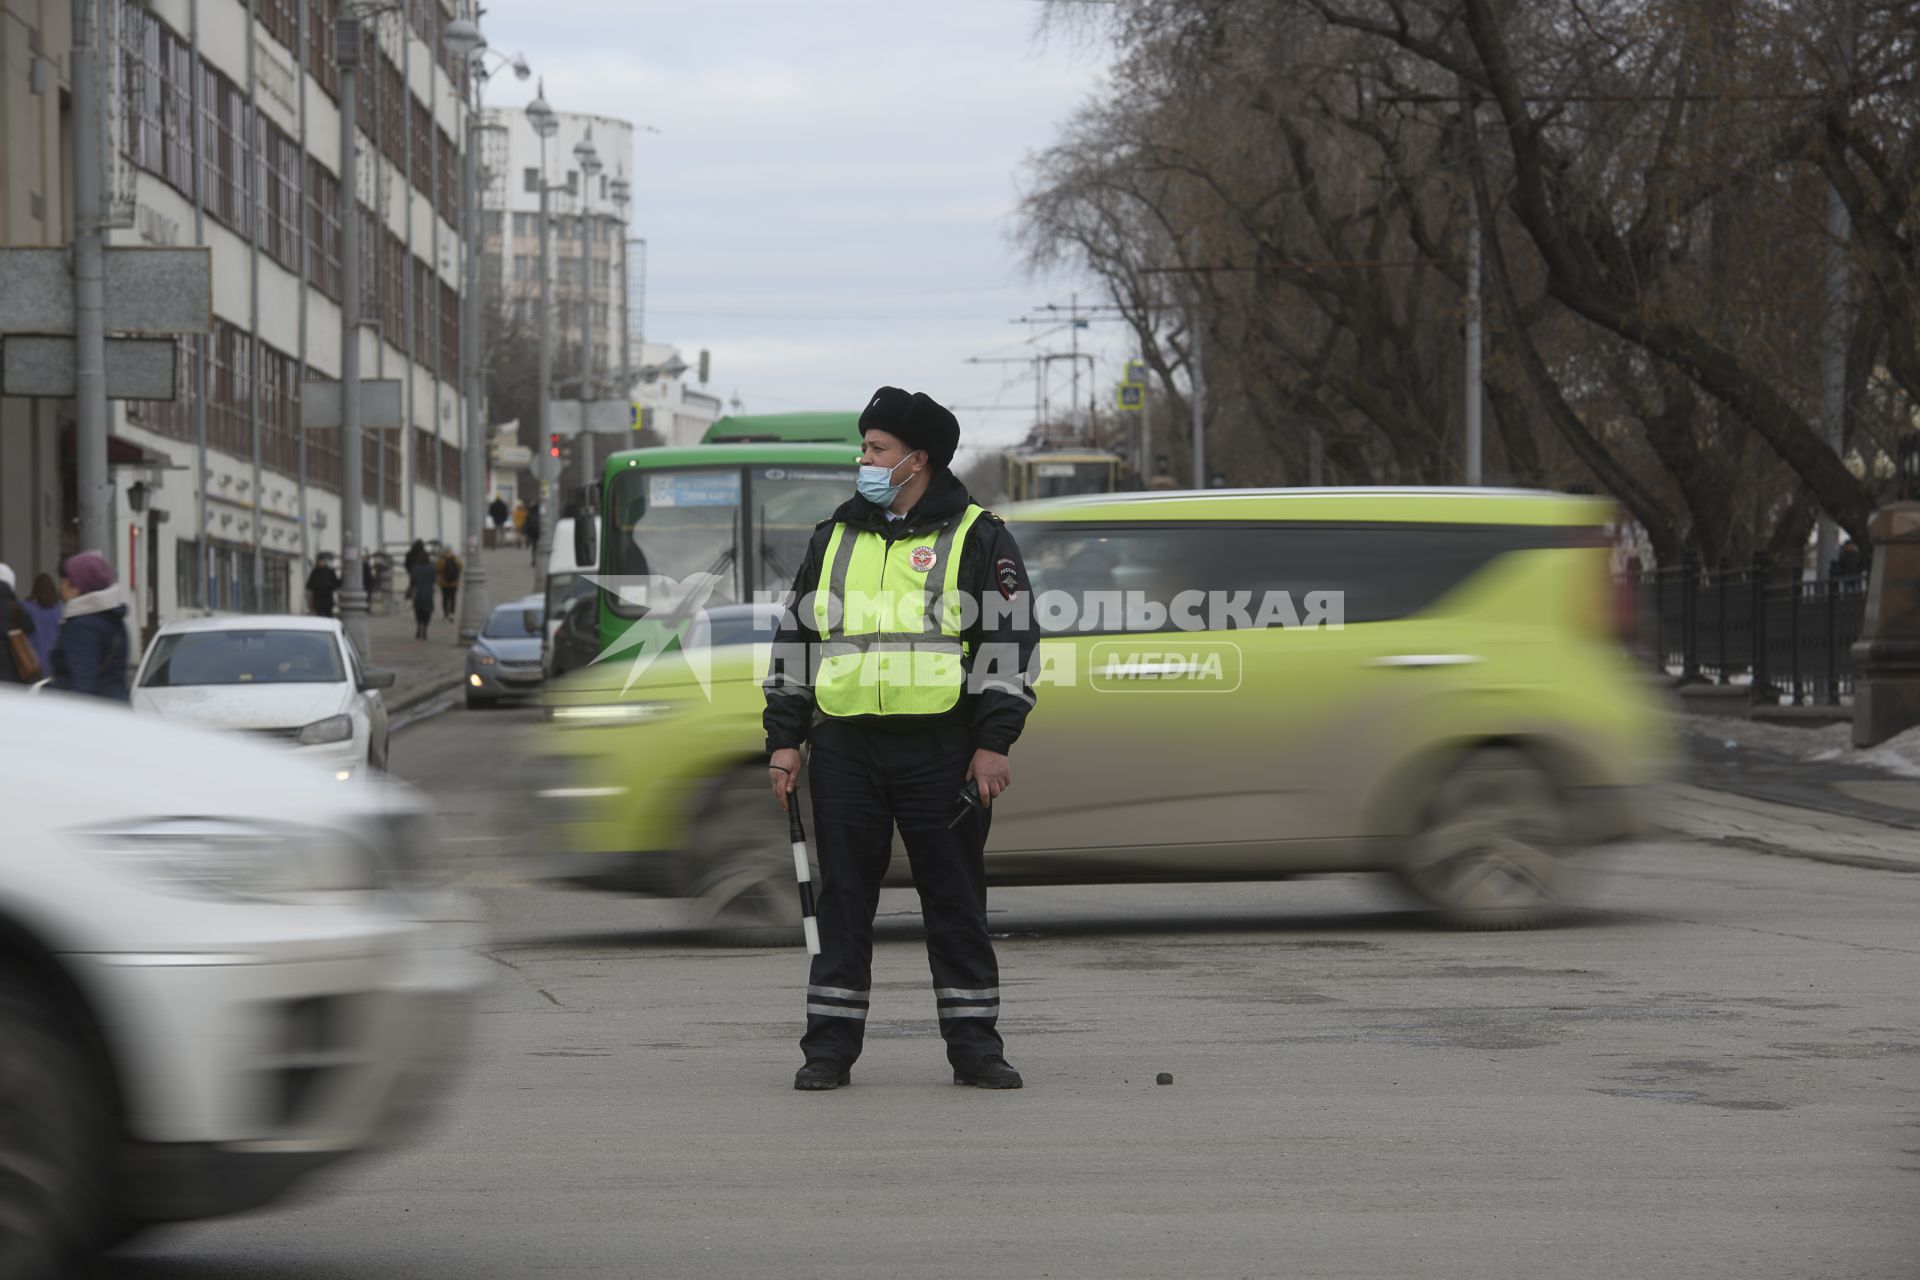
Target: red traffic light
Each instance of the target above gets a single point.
(553, 445)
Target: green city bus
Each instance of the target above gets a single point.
(742, 512)
(785, 428)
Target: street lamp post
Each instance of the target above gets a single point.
(545, 124)
(462, 38)
(353, 595)
(588, 158)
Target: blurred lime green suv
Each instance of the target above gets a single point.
(1234, 685)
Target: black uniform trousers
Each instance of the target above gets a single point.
(864, 781)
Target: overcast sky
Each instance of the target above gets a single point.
(829, 204)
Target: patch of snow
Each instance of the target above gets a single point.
(1823, 744)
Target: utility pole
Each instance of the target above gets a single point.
(473, 580)
(1199, 398)
(89, 285)
(1833, 368)
(1473, 347)
(544, 124)
(353, 597)
(1073, 332)
(588, 158)
(1473, 317)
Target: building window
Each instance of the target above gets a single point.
(449, 469)
(282, 212)
(423, 132)
(320, 42)
(491, 224)
(186, 575)
(282, 21)
(533, 180)
(573, 182)
(278, 573)
(449, 363)
(323, 229)
(522, 267)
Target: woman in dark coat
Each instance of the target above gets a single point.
(91, 655)
(420, 584)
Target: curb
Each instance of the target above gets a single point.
(424, 693)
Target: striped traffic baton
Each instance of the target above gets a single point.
(803, 872)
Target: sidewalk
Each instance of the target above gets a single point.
(1722, 817)
(424, 669)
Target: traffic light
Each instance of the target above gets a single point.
(705, 365)
(553, 445)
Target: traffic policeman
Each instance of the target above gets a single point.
(905, 661)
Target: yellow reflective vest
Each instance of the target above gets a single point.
(889, 619)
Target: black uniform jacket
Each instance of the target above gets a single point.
(1002, 639)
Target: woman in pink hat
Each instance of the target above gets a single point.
(91, 656)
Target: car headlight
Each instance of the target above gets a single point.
(332, 729)
(584, 715)
(217, 858)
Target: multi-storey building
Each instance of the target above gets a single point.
(588, 248)
(225, 132)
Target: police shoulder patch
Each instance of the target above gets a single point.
(1006, 574)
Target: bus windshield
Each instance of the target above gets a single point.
(671, 524)
(787, 503)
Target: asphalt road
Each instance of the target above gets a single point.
(1714, 1075)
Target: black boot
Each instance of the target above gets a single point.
(822, 1073)
(988, 1073)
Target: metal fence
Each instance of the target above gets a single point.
(1788, 640)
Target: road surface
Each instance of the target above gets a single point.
(1714, 1075)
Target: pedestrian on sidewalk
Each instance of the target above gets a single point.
(91, 656)
(520, 521)
(449, 581)
(532, 531)
(420, 582)
(499, 514)
(15, 621)
(322, 583)
(43, 606)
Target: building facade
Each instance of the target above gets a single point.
(225, 132)
(588, 248)
(674, 407)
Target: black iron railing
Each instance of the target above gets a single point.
(1786, 639)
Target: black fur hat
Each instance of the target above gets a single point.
(915, 420)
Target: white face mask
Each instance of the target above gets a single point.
(877, 485)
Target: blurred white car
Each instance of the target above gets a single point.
(294, 680)
(218, 971)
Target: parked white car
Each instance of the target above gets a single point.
(218, 971)
(294, 680)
